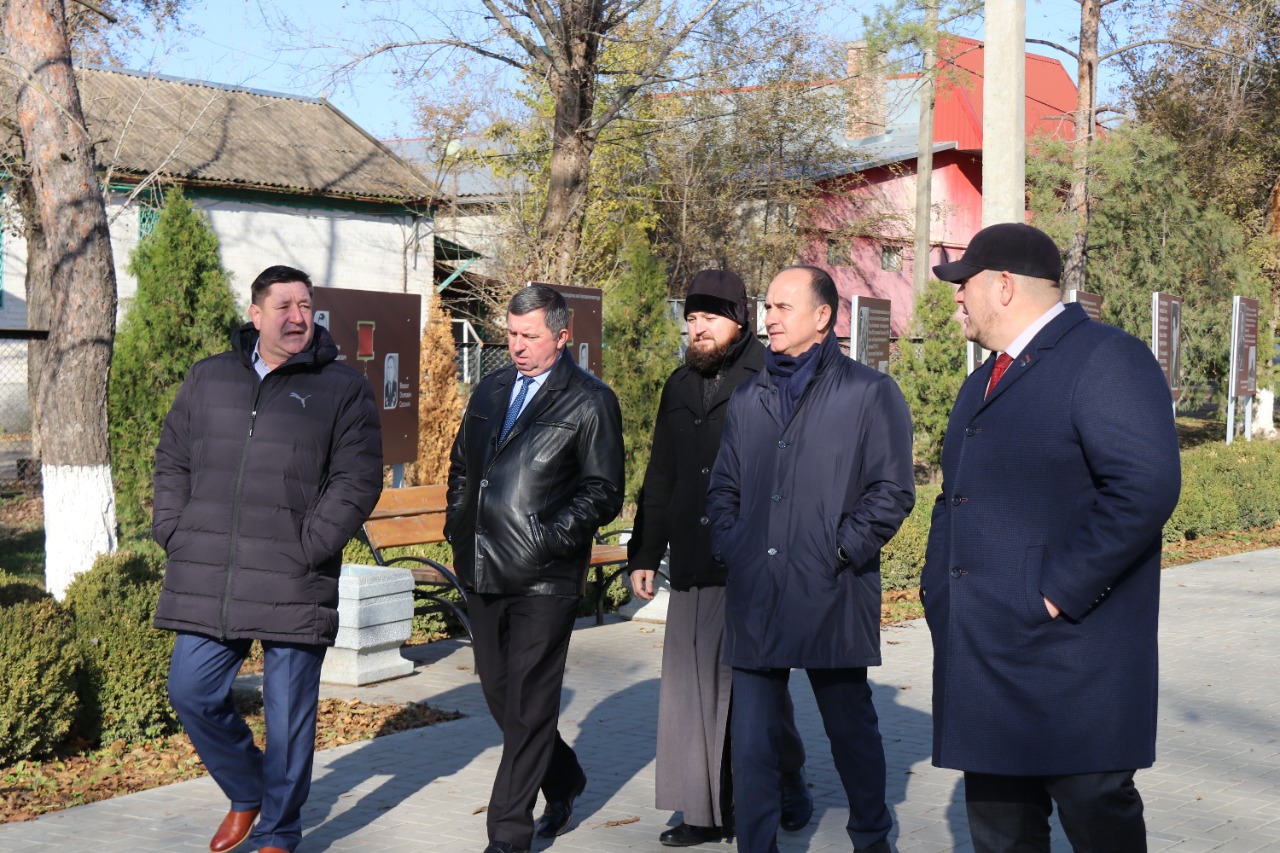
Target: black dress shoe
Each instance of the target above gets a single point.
(797, 803)
(881, 846)
(687, 835)
(556, 816)
(504, 847)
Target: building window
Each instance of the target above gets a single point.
(149, 201)
(837, 252)
(148, 215)
(891, 258)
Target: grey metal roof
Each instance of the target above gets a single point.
(208, 133)
(469, 178)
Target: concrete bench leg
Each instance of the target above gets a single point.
(375, 617)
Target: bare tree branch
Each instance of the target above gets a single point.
(93, 7)
(1053, 44)
(1177, 42)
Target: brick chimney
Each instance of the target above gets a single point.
(865, 115)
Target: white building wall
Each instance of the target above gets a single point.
(338, 248)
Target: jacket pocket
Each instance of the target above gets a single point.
(548, 443)
(544, 550)
(1032, 568)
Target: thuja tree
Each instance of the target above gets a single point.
(641, 340)
(1148, 233)
(930, 373)
(440, 401)
(184, 311)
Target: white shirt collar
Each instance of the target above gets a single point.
(258, 364)
(1020, 342)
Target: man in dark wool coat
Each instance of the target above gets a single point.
(814, 476)
(1041, 583)
(693, 707)
(269, 461)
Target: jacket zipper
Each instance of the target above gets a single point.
(235, 509)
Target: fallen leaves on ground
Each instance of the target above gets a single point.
(32, 788)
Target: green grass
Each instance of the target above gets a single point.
(22, 554)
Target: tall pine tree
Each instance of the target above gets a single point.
(641, 341)
(184, 311)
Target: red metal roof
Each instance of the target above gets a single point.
(1050, 95)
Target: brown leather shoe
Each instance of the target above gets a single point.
(235, 828)
(272, 850)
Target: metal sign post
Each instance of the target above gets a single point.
(869, 331)
(1243, 372)
(378, 335)
(1090, 302)
(586, 324)
(1166, 340)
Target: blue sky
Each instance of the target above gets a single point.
(227, 42)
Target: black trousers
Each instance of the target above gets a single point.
(1100, 812)
(520, 644)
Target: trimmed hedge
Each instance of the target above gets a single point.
(1224, 488)
(38, 678)
(903, 558)
(124, 691)
(1227, 487)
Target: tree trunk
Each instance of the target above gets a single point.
(37, 290)
(1073, 267)
(573, 138)
(71, 397)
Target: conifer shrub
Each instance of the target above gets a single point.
(641, 345)
(930, 374)
(126, 661)
(183, 311)
(902, 559)
(39, 673)
(1225, 488)
(440, 400)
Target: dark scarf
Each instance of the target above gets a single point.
(792, 375)
(711, 384)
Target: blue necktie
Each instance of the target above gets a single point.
(513, 411)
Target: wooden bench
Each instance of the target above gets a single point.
(415, 516)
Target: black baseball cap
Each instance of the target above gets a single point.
(1010, 246)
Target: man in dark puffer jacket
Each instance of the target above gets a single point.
(269, 461)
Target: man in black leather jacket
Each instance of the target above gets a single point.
(535, 470)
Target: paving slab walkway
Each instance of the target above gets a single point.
(1214, 786)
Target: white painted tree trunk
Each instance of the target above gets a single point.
(79, 521)
(1264, 425)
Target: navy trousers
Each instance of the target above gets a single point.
(201, 673)
(520, 644)
(1100, 812)
(762, 752)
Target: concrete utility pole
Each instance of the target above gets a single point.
(924, 157)
(1004, 126)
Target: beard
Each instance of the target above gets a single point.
(707, 360)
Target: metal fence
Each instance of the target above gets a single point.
(476, 359)
(18, 472)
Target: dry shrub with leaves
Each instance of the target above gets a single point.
(83, 775)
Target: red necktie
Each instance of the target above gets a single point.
(1002, 364)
